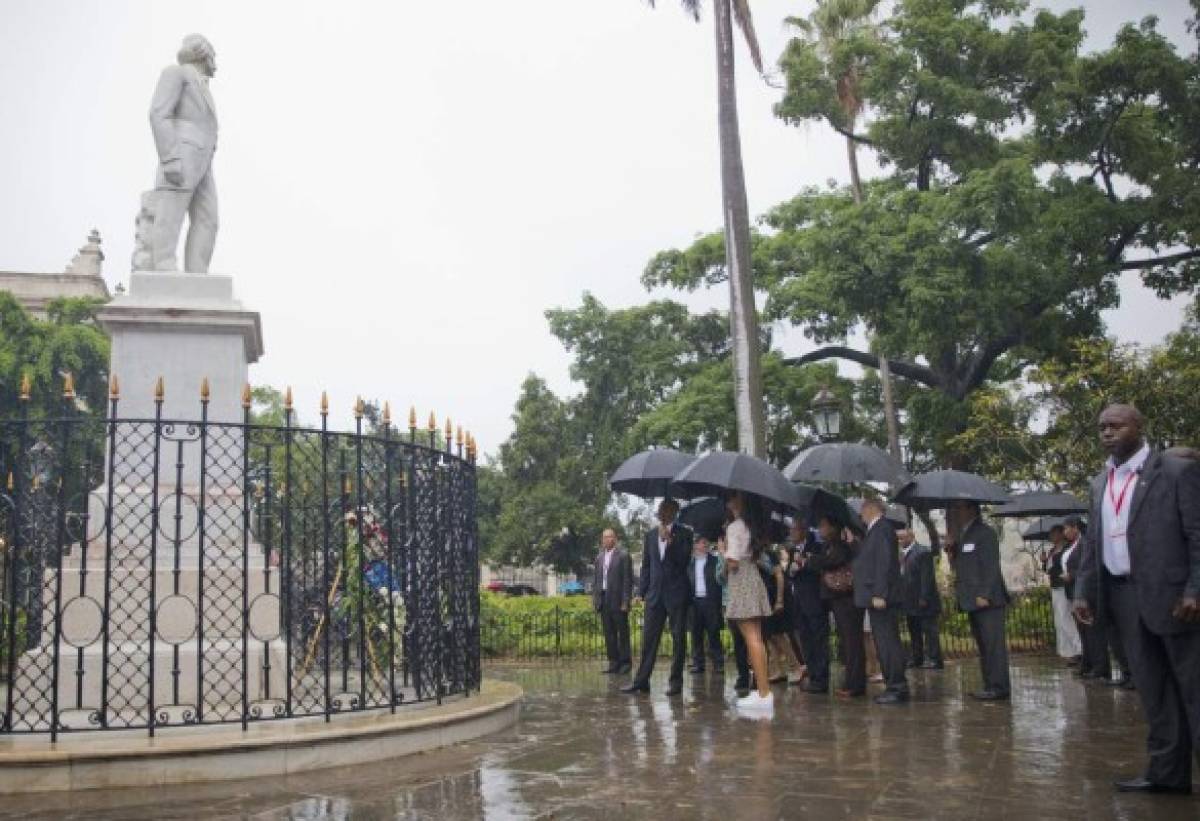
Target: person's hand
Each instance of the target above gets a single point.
(981, 601)
(1187, 610)
(731, 565)
(1083, 612)
(1066, 577)
(173, 172)
(878, 602)
(778, 608)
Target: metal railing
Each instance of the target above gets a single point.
(574, 632)
(163, 572)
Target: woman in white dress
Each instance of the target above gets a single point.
(748, 603)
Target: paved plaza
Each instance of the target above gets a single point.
(583, 750)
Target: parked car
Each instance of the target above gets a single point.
(521, 590)
(571, 589)
(495, 586)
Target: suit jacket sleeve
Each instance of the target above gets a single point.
(1085, 566)
(881, 561)
(988, 547)
(644, 576)
(598, 581)
(626, 579)
(1188, 491)
(929, 591)
(162, 106)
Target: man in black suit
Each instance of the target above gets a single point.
(877, 588)
(810, 618)
(922, 604)
(663, 586)
(1093, 639)
(612, 592)
(981, 594)
(1141, 568)
(705, 606)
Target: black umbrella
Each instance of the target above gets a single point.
(1039, 531)
(719, 472)
(705, 516)
(940, 488)
(1041, 503)
(648, 474)
(846, 463)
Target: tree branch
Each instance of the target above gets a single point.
(1153, 262)
(909, 370)
(850, 135)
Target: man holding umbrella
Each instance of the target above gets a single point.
(663, 586)
(981, 593)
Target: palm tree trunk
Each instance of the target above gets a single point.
(743, 315)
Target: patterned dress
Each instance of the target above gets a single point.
(747, 593)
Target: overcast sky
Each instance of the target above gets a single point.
(406, 187)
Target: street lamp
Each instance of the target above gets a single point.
(827, 414)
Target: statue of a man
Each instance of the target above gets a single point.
(184, 122)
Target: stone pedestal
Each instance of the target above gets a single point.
(183, 328)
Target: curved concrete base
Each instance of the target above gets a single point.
(270, 748)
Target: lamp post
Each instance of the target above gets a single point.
(827, 415)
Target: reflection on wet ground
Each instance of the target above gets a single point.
(584, 750)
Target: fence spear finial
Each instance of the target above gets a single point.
(204, 390)
(114, 387)
(432, 422)
(26, 386)
(412, 417)
(160, 390)
(387, 414)
(68, 386)
(324, 403)
(287, 398)
(247, 396)
(359, 408)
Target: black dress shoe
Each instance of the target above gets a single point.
(913, 665)
(674, 689)
(989, 695)
(1145, 785)
(741, 684)
(636, 687)
(815, 688)
(891, 697)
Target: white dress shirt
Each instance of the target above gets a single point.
(662, 548)
(608, 554)
(1114, 509)
(698, 563)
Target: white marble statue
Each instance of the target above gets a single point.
(184, 122)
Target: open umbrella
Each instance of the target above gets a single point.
(648, 474)
(705, 516)
(846, 463)
(1041, 503)
(1039, 531)
(718, 472)
(940, 488)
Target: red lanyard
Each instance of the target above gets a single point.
(1119, 501)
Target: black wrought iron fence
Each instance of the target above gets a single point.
(570, 631)
(163, 572)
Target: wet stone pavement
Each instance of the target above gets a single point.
(584, 750)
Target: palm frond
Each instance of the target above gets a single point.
(692, 7)
(741, 14)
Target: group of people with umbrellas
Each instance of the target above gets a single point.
(842, 558)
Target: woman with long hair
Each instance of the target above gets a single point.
(745, 538)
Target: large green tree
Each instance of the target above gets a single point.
(1023, 176)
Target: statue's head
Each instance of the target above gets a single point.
(197, 51)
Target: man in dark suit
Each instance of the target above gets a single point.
(612, 592)
(922, 604)
(663, 586)
(877, 588)
(810, 618)
(980, 591)
(1141, 569)
(705, 606)
(1093, 639)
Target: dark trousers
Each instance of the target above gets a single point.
(925, 638)
(1166, 671)
(616, 636)
(812, 628)
(885, 631)
(987, 626)
(849, 622)
(706, 626)
(655, 619)
(1094, 640)
(741, 657)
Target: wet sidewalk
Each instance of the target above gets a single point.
(584, 750)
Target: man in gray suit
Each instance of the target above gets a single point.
(183, 120)
(922, 603)
(612, 591)
(1141, 570)
(981, 594)
(877, 588)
